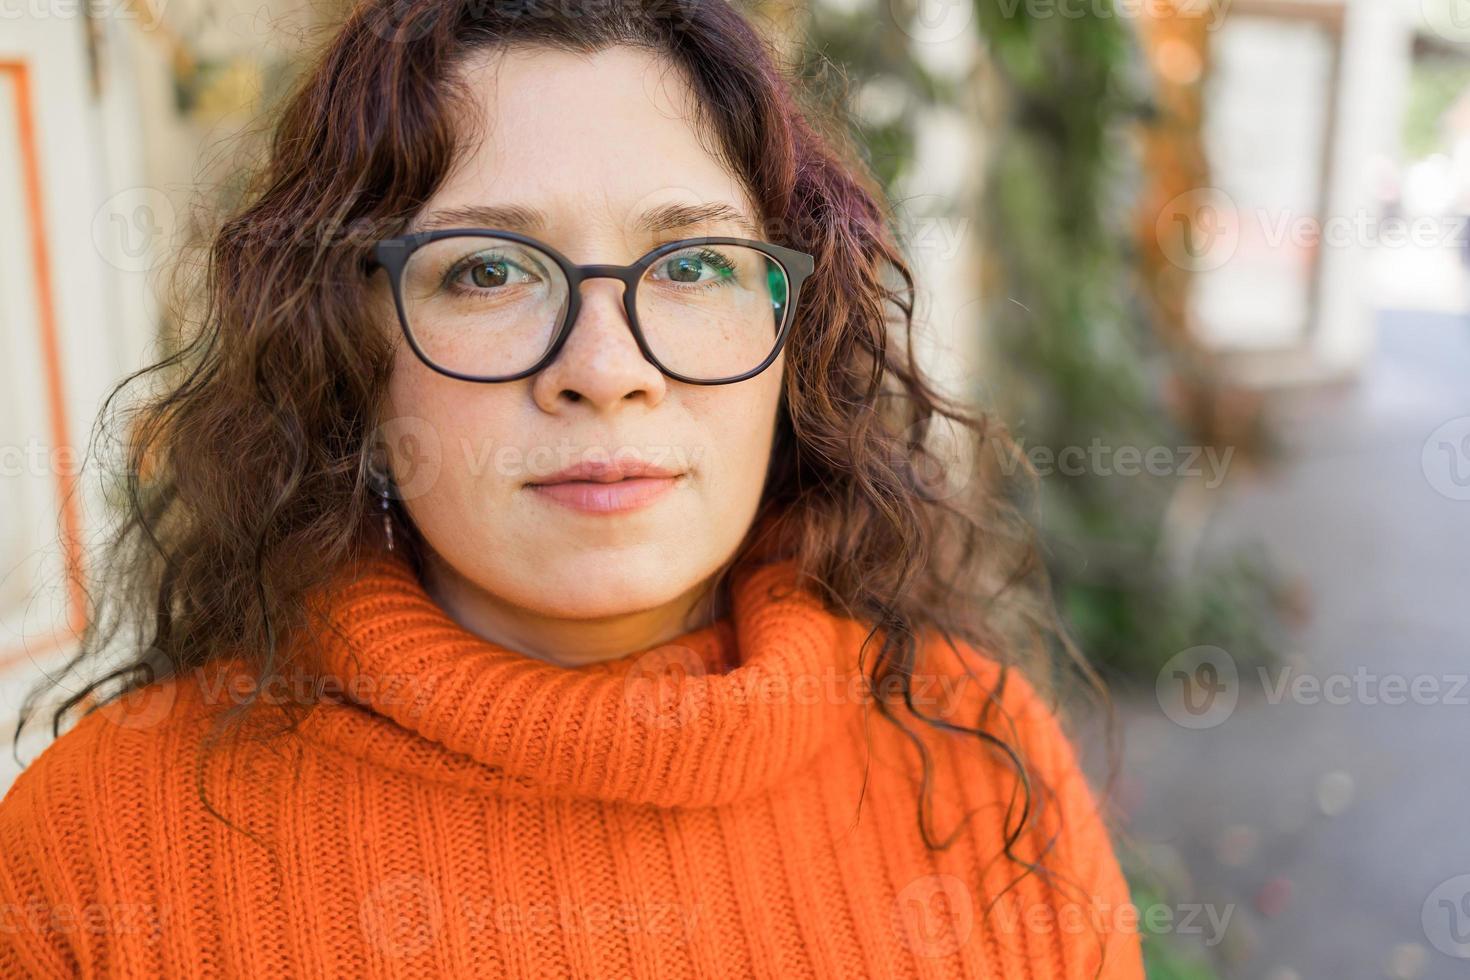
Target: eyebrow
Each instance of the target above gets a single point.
(515, 217)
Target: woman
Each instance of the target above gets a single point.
(538, 568)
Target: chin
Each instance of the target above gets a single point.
(612, 582)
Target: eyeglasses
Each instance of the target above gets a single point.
(486, 305)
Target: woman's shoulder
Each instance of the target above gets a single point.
(981, 750)
(965, 683)
(128, 746)
(993, 710)
(81, 813)
(1012, 735)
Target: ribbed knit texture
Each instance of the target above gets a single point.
(731, 804)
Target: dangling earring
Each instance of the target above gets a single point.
(387, 518)
(378, 478)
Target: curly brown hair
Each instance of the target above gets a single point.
(244, 466)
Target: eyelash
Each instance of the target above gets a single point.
(704, 253)
(707, 255)
(452, 277)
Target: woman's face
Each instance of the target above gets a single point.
(592, 144)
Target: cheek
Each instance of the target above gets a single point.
(442, 436)
(740, 424)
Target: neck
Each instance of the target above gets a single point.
(565, 642)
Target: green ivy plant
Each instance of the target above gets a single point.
(1084, 365)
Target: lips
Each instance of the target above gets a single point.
(610, 472)
(616, 497)
(608, 488)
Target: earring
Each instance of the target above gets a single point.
(378, 479)
(387, 518)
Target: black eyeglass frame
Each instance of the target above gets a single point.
(392, 254)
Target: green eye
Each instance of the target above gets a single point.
(776, 282)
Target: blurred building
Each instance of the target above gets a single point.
(1299, 99)
(110, 113)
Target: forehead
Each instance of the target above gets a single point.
(577, 141)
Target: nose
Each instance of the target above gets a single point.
(600, 365)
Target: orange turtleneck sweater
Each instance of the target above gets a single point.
(458, 809)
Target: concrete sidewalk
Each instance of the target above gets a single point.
(1330, 804)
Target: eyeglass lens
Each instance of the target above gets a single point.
(486, 306)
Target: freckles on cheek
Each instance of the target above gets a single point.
(737, 441)
(448, 432)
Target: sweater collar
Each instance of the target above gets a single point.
(674, 725)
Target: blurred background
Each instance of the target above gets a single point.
(1209, 259)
